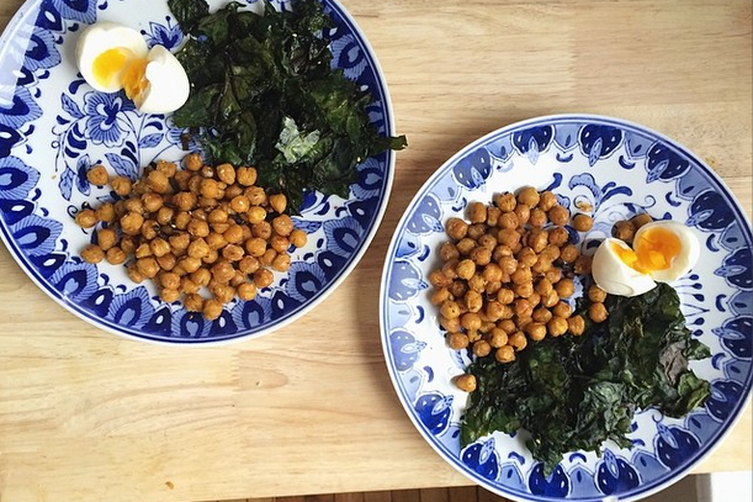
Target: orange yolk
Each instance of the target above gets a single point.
(134, 79)
(121, 61)
(655, 250)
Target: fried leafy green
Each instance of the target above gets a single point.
(263, 93)
(573, 393)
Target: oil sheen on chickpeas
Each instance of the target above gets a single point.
(507, 276)
(203, 234)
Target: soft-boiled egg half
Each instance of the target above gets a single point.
(662, 251)
(112, 57)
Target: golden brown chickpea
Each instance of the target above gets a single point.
(558, 215)
(105, 213)
(198, 228)
(550, 300)
(222, 272)
(522, 275)
(148, 267)
(523, 214)
(179, 242)
(231, 192)
(558, 236)
(193, 162)
(231, 252)
(450, 309)
(115, 256)
(158, 181)
(281, 263)
(541, 315)
(508, 220)
(505, 202)
(476, 230)
(282, 225)
(563, 310)
(134, 274)
(198, 248)
(481, 348)
(263, 278)
(179, 270)
(240, 204)
(131, 223)
(149, 229)
(492, 215)
(523, 290)
(526, 257)
(456, 228)
(582, 265)
(440, 296)
(226, 173)
(477, 283)
(207, 171)
(189, 264)
(212, 309)
(181, 220)
(565, 288)
(529, 196)
(508, 237)
(596, 294)
(86, 218)
(458, 288)
(501, 251)
(168, 295)
(465, 246)
(234, 234)
(201, 277)
(554, 275)
(279, 243)
(640, 220)
(106, 238)
(497, 338)
(557, 326)
(597, 312)
(477, 212)
(212, 256)
(534, 299)
(238, 279)
(505, 354)
(256, 247)
(481, 256)
(169, 280)
(278, 202)
(439, 279)
(210, 189)
(518, 341)
(121, 185)
(182, 178)
(470, 321)
(256, 196)
(184, 201)
(542, 266)
(544, 287)
(488, 241)
(167, 262)
(93, 254)
(538, 218)
(262, 230)
(466, 269)
(582, 222)
(473, 301)
(217, 216)
(128, 244)
(625, 231)
(167, 168)
(247, 291)
(547, 200)
(165, 215)
(187, 286)
(492, 273)
(246, 176)
(248, 265)
(457, 341)
(268, 257)
(569, 253)
(507, 325)
(550, 252)
(466, 382)
(505, 296)
(576, 325)
(159, 247)
(538, 239)
(494, 310)
(97, 175)
(193, 302)
(522, 307)
(194, 184)
(256, 214)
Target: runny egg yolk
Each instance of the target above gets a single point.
(121, 61)
(654, 250)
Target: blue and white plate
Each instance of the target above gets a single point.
(53, 126)
(618, 168)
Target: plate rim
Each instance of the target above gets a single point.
(651, 487)
(31, 8)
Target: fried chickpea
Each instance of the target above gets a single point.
(576, 325)
(439, 279)
(210, 189)
(198, 228)
(625, 231)
(189, 264)
(128, 244)
(582, 265)
(470, 321)
(507, 325)
(518, 340)
(105, 212)
(278, 202)
(169, 280)
(527, 257)
(184, 201)
(165, 215)
(477, 212)
(298, 238)
(492, 273)
(182, 219)
(217, 216)
(133, 273)
(245, 176)
(212, 256)
(597, 312)
(465, 246)
(198, 248)
(131, 223)
(240, 204)
(550, 300)
(247, 291)
(167, 262)
(569, 253)
(450, 325)
(256, 196)
(563, 310)
(256, 214)
(538, 218)
(492, 215)
(558, 236)
(473, 301)
(282, 225)
(169, 295)
(505, 202)
(639, 220)
(279, 243)
(550, 252)
(179, 242)
(115, 256)
(248, 265)
(238, 279)
(167, 168)
(187, 286)
(201, 277)
(193, 162)
(212, 309)
(106, 238)
(148, 267)
(477, 283)
(522, 307)
(268, 257)
(554, 275)
(534, 299)
(256, 247)
(226, 173)
(523, 214)
(557, 326)
(234, 234)
(547, 200)
(505, 354)
(262, 230)
(121, 185)
(544, 286)
(149, 229)
(232, 192)
(488, 241)
(522, 275)
(481, 256)
(497, 338)
(457, 341)
(466, 269)
(501, 251)
(222, 272)
(505, 296)
(194, 184)
(529, 196)
(281, 263)
(541, 315)
(565, 288)
(193, 302)
(481, 348)
(558, 215)
(440, 296)
(543, 265)
(508, 220)
(263, 278)
(494, 310)
(523, 290)
(158, 181)
(476, 230)
(509, 237)
(538, 239)
(97, 175)
(456, 228)
(582, 222)
(86, 218)
(466, 382)
(93, 254)
(207, 171)
(596, 294)
(159, 247)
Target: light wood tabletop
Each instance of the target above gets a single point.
(88, 416)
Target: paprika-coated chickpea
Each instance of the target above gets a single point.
(466, 382)
(212, 309)
(505, 354)
(97, 175)
(105, 213)
(477, 212)
(263, 278)
(456, 228)
(121, 185)
(523, 213)
(529, 196)
(505, 202)
(576, 325)
(597, 312)
(278, 202)
(556, 326)
(193, 302)
(245, 176)
(558, 215)
(93, 254)
(562, 309)
(582, 222)
(86, 218)
(115, 256)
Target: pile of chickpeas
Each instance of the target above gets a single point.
(193, 228)
(506, 275)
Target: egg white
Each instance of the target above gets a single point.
(614, 276)
(690, 250)
(99, 38)
(168, 87)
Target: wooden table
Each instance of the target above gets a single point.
(87, 416)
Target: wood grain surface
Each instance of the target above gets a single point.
(87, 416)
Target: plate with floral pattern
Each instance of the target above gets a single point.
(53, 127)
(619, 169)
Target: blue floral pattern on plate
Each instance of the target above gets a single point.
(53, 127)
(618, 169)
